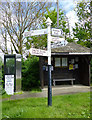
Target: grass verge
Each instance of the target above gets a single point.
(64, 106)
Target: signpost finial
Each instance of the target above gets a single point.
(48, 21)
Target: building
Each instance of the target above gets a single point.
(70, 63)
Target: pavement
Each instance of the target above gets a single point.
(56, 90)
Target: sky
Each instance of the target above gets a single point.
(67, 5)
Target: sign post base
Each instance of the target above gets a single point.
(49, 86)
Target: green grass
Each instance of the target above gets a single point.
(35, 90)
(18, 93)
(64, 106)
(5, 96)
(8, 96)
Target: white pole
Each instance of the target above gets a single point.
(49, 46)
(49, 40)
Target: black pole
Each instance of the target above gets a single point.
(49, 86)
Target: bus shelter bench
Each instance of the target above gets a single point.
(55, 80)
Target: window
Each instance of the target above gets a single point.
(64, 62)
(57, 62)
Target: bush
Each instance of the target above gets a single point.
(91, 71)
(30, 73)
(2, 91)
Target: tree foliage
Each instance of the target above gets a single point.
(0, 69)
(15, 19)
(63, 21)
(41, 40)
(82, 29)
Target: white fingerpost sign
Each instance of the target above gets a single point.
(35, 32)
(38, 52)
(56, 39)
(9, 84)
(56, 32)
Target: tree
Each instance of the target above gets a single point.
(15, 19)
(63, 21)
(82, 29)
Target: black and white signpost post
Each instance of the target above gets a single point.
(39, 52)
(49, 62)
(47, 53)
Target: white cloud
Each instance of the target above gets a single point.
(71, 14)
(72, 18)
(68, 6)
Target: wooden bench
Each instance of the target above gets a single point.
(55, 80)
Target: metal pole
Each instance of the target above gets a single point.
(49, 62)
(57, 13)
(49, 86)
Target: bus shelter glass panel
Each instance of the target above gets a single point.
(10, 66)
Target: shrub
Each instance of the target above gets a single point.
(91, 71)
(30, 73)
(2, 91)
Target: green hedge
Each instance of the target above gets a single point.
(30, 73)
(2, 91)
(91, 71)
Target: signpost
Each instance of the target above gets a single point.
(56, 32)
(38, 52)
(35, 32)
(48, 22)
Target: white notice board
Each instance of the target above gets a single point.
(9, 84)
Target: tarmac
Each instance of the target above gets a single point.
(56, 90)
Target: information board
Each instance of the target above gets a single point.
(9, 84)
